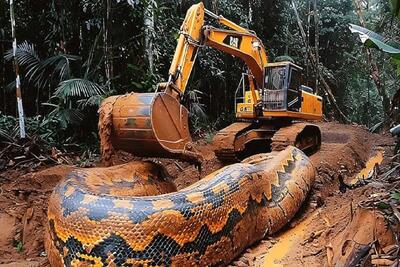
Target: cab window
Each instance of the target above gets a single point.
(294, 80)
(275, 78)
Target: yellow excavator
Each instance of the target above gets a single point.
(269, 103)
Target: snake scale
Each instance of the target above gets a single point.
(98, 217)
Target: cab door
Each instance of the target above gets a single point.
(293, 94)
(275, 93)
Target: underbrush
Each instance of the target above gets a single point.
(205, 128)
(46, 142)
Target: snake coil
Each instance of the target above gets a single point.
(96, 218)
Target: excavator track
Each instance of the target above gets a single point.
(224, 141)
(233, 143)
(305, 136)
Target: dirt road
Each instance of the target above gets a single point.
(344, 151)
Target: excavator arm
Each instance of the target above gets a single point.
(236, 41)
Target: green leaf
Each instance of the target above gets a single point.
(78, 88)
(26, 55)
(396, 195)
(382, 205)
(396, 7)
(397, 62)
(93, 101)
(19, 245)
(67, 116)
(373, 40)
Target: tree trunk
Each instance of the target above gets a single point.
(250, 15)
(107, 23)
(373, 67)
(308, 41)
(148, 30)
(214, 7)
(3, 75)
(316, 32)
(326, 88)
(17, 78)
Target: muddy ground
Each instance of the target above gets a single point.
(344, 151)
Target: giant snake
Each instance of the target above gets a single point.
(131, 215)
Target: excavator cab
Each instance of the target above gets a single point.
(282, 87)
(282, 95)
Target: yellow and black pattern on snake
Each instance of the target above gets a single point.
(206, 224)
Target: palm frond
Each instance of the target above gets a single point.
(78, 88)
(93, 101)
(26, 55)
(63, 68)
(10, 87)
(53, 68)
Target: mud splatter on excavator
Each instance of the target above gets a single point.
(269, 103)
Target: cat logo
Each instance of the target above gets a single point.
(233, 41)
(244, 109)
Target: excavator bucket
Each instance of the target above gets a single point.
(150, 125)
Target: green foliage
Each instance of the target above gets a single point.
(70, 98)
(42, 73)
(396, 196)
(373, 40)
(19, 245)
(382, 205)
(78, 88)
(26, 55)
(397, 62)
(45, 134)
(45, 130)
(396, 7)
(8, 131)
